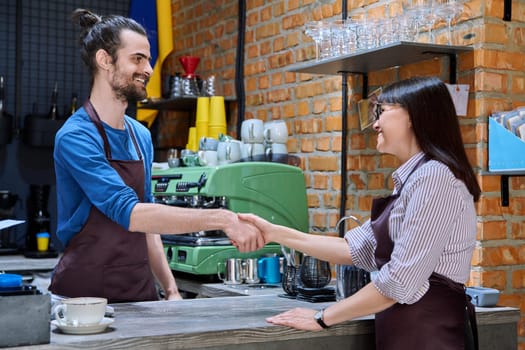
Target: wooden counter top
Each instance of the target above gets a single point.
(239, 323)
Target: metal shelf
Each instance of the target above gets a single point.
(395, 54)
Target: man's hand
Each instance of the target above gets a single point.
(173, 295)
(244, 235)
(265, 227)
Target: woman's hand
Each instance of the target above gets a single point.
(299, 318)
(264, 226)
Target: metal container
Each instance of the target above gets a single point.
(251, 274)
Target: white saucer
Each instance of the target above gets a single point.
(89, 329)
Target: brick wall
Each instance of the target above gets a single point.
(311, 106)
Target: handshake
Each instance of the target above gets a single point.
(249, 232)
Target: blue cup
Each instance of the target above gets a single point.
(269, 269)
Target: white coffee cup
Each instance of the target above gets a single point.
(276, 131)
(81, 311)
(256, 151)
(228, 151)
(252, 131)
(207, 158)
(279, 148)
(208, 144)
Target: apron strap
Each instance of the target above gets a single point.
(93, 115)
(471, 339)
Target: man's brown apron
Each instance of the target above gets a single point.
(438, 320)
(104, 259)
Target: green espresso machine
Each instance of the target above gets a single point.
(274, 191)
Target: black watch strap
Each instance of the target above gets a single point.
(319, 318)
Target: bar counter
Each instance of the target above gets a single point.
(239, 323)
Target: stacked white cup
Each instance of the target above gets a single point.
(276, 138)
(252, 136)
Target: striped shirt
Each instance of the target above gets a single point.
(433, 227)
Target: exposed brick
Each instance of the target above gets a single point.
(266, 14)
(313, 200)
(490, 206)
(303, 108)
(331, 200)
(375, 181)
(264, 82)
(323, 144)
(492, 230)
(519, 36)
(293, 21)
(319, 163)
(336, 143)
(320, 181)
(499, 59)
(517, 229)
(251, 84)
(510, 300)
(333, 123)
(265, 47)
(499, 256)
(357, 181)
(335, 104)
(494, 279)
(307, 145)
(357, 142)
(495, 33)
(517, 83)
(489, 183)
(320, 106)
(319, 220)
(278, 44)
(517, 205)
(336, 183)
(288, 110)
(518, 279)
(491, 82)
(430, 67)
(277, 79)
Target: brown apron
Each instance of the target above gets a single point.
(104, 259)
(438, 320)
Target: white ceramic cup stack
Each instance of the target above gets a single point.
(252, 136)
(276, 139)
(228, 151)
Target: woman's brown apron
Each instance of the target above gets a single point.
(104, 259)
(438, 320)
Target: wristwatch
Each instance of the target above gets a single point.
(318, 317)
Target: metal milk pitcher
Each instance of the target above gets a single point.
(251, 274)
(233, 271)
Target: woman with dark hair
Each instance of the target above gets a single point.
(419, 239)
(107, 218)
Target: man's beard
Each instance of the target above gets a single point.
(128, 92)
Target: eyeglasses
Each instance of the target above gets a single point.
(378, 108)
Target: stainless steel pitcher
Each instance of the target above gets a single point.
(233, 271)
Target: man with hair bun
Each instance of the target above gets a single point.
(107, 220)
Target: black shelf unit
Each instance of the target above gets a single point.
(363, 62)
